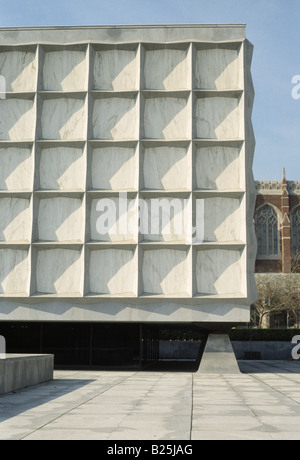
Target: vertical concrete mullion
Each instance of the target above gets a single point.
(87, 153)
(139, 251)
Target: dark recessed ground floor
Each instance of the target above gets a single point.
(102, 345)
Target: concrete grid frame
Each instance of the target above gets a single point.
(153, 111)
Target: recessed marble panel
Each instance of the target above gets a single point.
(19, 68)
(63, 119)
(65, 70)
(114, 168)
(166, 168)
(116, 70)
(218, 68)
(61, 168)
(219, 272)
(218, 118)
(113, 219)
(167, 69)
(17, 119)
(16, 172)
(14, 272)
(115, 118)
(60, 219)
(165, 272)
(166, 219)
(58, 271)
(113, 272)
(166, 118)
(219, 168)
(15, 222)
(222, 219)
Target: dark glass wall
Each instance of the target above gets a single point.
(76, 344)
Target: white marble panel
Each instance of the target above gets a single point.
(19, 68)
(219, 272)
(115, 168)
(60, 219)
(116, 70)
(58, 271)
(15, 222)
(16, 172)
(165, 271)
(166, 69)
(166, 219)
(17, 119)
(65, 71)
(62, 168)
(218, 168)
(166, 118)
(218, 69)
(218, 118)
(223, 219)
(166, 168)
(115, 118)
(114, 219)
(63, 119)
(113, 271)
(14, 271)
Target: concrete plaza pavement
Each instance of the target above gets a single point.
(261, 403)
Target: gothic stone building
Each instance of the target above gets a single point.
(277, 223)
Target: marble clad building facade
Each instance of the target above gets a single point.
(92, 116)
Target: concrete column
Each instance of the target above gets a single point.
(218, 356)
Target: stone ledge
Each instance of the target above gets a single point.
(21, 371)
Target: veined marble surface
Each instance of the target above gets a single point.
(219, 168)
(113, 219)
(14, 271)
(58, 271)
(17, 119)
(63, 119)
(166, 118)
(166, 168)
(165, 271)
(115, 118)
(115, 168)
(218, 118)
(219, 272)
(218, 69)
(116, 70)
(15, 222)
(113, 271)
(223, 219)
(167, 69)
(65, 71)
(16, 172)
(19, 70)
(62, 168)
(60, 219)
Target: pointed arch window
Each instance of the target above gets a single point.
(267, 232)
(296, 230)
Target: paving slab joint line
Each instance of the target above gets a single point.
(76, 407)
(275, 389)
(240, 395)
(136, 405)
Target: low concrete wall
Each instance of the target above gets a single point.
(267, 350)
(175, 351)
(21, 371)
